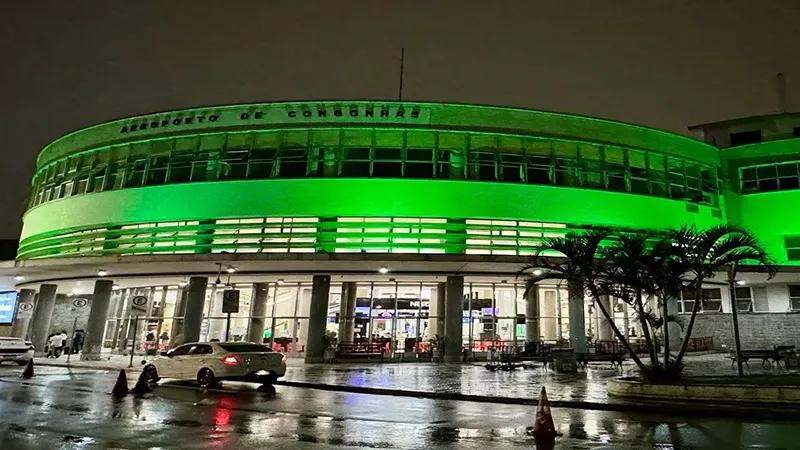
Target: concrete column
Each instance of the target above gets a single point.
(454, 310)
(95, 329)
(258, 309)
(20, 327)
(178, 311)
(42, 314)
(193, 314)
(675, 332)
(604, 331)
(347, 319)
(577, 320)
(317, 318)
(532, 326)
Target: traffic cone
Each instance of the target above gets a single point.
(121, 386)
(544, 430)
(142, 385)
(28, 372)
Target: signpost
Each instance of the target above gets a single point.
(230, 304)
(25, 310)
(79, 302)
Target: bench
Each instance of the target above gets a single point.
(615, 359)
(766, 356)
(352, 350)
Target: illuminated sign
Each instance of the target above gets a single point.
(279, 113)
(8, 304)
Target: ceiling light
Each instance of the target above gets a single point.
(741, 282)
(19, 278)
(281, 281)
(383, 269)
(102, 273)
(231, 269)
(182, 283)
(538, 272)
(70, 294)
(115, 287)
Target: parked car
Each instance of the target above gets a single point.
(15, 349)
(212, 362)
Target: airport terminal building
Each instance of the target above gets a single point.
(387, 223)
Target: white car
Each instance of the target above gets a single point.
(15, 349)
(212, 362)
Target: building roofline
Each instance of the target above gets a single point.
(738, 120)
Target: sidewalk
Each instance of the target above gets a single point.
(468, 379)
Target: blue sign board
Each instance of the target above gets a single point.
(8, 307)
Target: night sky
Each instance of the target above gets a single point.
(667, 64)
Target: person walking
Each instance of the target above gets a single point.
(64, 338)
(55, 345)
(77, 341)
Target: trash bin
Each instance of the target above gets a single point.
(564, 360)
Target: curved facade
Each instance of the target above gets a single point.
(381, 177)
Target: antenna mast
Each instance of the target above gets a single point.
(402, 61)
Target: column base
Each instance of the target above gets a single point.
(92, 357)
(313, 360)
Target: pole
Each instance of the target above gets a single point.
(228, 328)
(735, 314)
(72, 339)
(402, 62)
(133, 341)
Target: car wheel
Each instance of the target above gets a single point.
(206, 379)
(151, 373)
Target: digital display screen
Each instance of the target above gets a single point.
(8, 306)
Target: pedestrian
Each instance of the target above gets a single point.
(77, 341)
(64, 339)
(50, 350)
(55, 345)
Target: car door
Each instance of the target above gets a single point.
(171, 365)
(196, 359)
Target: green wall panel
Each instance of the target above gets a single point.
(361, 197)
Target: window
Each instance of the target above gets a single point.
(794, 297)
(744, 299)
(745, 137)
(180, 351)
(388, 163)
(712, 301)
(244, 347)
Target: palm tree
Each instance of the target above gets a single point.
(578, 263)
(709, 252)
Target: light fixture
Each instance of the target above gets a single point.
(102, 273)
(70, 294)
(231, 269)
(115, 287)
(538, 272)
(281, 281)
(182, 283)
(19, 278)
(383, 270)
(741, 282)
(76, 291)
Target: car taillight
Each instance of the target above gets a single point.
(283, 360)
(230, 360)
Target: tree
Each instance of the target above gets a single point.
(706, 253)
(634, 267)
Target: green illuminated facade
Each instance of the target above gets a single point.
(359, 177)
(387, 222)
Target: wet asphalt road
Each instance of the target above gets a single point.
(70, 409)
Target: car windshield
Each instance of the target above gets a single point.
(245, 347)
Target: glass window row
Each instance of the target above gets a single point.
(302, 235)
(771, 177)
(361, 153)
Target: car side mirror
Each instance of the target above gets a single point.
(164, 353)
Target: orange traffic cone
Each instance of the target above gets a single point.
(121, 386)
(142, 385)
(544, 430)
(28, 372)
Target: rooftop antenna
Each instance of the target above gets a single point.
(402, 61)
(780, 86)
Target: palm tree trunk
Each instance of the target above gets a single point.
(664, 311)
(695, 310)
(646, 330)
(625, 343)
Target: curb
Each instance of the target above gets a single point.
(682, 408)
(81, 366)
